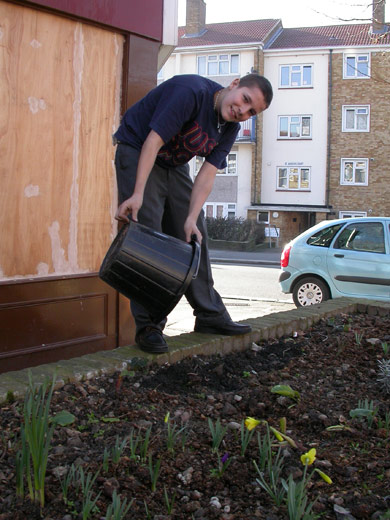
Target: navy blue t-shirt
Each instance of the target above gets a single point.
(181, 111)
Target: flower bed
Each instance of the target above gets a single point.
(176, 442)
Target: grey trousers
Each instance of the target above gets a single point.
(165, 208)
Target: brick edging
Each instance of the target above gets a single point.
(107, 362)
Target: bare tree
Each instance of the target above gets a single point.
(376, 10)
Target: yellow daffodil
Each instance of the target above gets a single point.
(277, 434)
(327, 479)
(251, 423)
(166, 418)
(309, 457)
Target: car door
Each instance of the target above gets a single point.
(359, 261)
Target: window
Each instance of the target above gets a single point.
(231, 168)
(324, 237)
(352, 214)
(356, 118)
(231, 210)
(292, 76)
(198, 163)
(356, 66)
(219, 210)
(263, 217)
(294, 127)
(363, 236)
(354, 172)
(293, 178)
(218, 64)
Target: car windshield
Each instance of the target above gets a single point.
(324, 237)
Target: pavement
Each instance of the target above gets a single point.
(270, 256)
(181, 320)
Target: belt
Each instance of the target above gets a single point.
(116, 141)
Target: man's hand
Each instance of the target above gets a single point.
(147, 157)
(130, 207)
(190, 228)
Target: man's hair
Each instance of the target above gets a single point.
(260, 82)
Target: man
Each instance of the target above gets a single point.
(185, 116)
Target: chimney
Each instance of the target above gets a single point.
(378, 16)
(195, 17)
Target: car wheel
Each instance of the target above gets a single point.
(309, 291)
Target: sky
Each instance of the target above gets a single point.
(293, 13)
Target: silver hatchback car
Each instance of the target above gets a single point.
(345, 257)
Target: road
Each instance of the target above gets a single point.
(247, 291)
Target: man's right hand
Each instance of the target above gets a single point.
(130, 207)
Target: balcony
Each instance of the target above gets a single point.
(247, 133)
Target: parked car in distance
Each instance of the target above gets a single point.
(344, 257)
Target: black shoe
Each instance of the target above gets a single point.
(150, 339)
(223, 326)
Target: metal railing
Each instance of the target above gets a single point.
(247, 131)
(272, 233)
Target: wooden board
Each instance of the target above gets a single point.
(59, 104)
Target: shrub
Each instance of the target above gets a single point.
(235, 229)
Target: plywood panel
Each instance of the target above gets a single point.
(59, 97)
(100, 101)
(26, 144)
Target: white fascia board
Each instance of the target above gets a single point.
(295, 52)
(282, 207)
(364, 48)
(170, 23)
(225, 46)
(326, 50)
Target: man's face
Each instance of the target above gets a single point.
(241, 103)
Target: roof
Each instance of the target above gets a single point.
(328, 36)
(253, 31)
(259, 31)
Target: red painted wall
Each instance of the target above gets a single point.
(136, 16)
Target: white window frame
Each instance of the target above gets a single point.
(298, 122)
(262, 221)
(231, 169)
(352, 214)
(296, 69)
(198, 160)
(358, 110)
(218, 207)
(355, 162)
(352, 72)
(290, 170)
(219, 59)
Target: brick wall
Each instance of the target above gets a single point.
(195, 16)
(373, 145)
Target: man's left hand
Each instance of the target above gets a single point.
(190, 228)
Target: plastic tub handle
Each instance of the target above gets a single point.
(196, 254)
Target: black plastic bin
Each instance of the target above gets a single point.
(150, 267)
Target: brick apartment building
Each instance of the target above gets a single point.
(321, 150)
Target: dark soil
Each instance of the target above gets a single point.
(333, 366)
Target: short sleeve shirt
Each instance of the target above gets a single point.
(181, 111)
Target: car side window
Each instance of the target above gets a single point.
(363, 236)
(324, 237)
